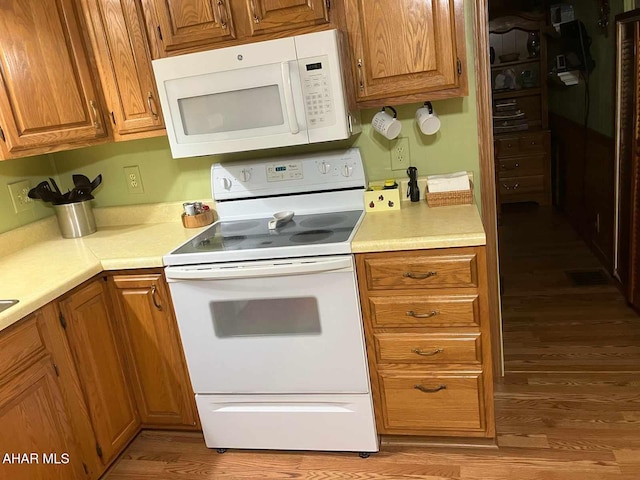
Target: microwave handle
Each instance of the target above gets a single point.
(288, 98)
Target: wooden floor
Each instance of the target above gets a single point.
(569, 408)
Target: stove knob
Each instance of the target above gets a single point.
(347, 170)
(324, 168)
(246, 174)
(225, 183)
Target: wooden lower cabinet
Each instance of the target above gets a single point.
(152, 344)
(90, 330)
(428, 341)
(34, 417)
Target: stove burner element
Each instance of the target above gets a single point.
(233, 239)
(311, 236)
(323, 221)
(241, 226)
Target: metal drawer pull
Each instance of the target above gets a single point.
(419, 276)
(256, 18)
(150, 103)
(424, 389)
(360, 75)
(153, 297)
(427, 354)
(96, 123)
(223, 21)
(514, 187)
(413, 314)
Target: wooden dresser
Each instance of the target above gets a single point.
(428, 341)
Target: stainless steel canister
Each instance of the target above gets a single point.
(75, 219)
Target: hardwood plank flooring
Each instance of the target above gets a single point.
(568, 408)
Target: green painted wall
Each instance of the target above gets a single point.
(453, 148)
(34, 169)
(569, 102)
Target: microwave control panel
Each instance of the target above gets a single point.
(316, 88)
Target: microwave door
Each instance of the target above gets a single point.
(237, 110)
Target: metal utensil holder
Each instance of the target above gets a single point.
(75, 219)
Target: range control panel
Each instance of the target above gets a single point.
(326, 171)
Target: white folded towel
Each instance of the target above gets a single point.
(449, 182)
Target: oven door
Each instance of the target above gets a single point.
(233, 99)
(277, 326)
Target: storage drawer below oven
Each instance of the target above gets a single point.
(289, 422)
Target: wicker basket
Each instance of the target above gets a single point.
(443, 199)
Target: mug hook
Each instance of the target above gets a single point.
(395, 114)
(429, 106)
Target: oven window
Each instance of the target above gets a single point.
(273, 316)
(232, 111)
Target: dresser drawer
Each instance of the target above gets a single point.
(521, 166)
(521, 185)
(432, 401)
(507, 147)
(427, 348)
(533, 142)
(424, 311)
(421, 271)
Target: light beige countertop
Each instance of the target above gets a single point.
(416, 226)
(37, 265)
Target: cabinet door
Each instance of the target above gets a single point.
(34, 423)
(162, 387)
(93, 341)
(278, 15)
(118, 37)
(405, 47)
(47, 94)
(184, 24)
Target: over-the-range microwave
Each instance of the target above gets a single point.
(289, 91)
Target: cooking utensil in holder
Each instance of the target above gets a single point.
(75, 219)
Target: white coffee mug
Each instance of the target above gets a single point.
(386, 124)
(427, 119)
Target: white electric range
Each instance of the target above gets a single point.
(270, 317)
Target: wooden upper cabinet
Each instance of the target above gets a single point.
(92, 337)
(120, 44)
(152, 343)
(276, 15)
(47, 94)
(183, 24)
(407, 50)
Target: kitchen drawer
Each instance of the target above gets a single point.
(533, 142)
(507, 147)
(424, 311)
(432, 401)
(521, 166)
(18, 344)
(421, 271)
(521, 185)
(427, 348)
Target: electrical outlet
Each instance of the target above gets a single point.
(19, 193)
(134, 180)
(400, 156)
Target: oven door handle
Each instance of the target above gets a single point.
(258, 269)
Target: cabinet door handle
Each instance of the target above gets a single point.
(94, 108)
(418, 351)
(419, 276)
(413, 314)
(223, 19)
(153, 298)
(256, 18)
(360, 75)
(424, 389)
(150, 103)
